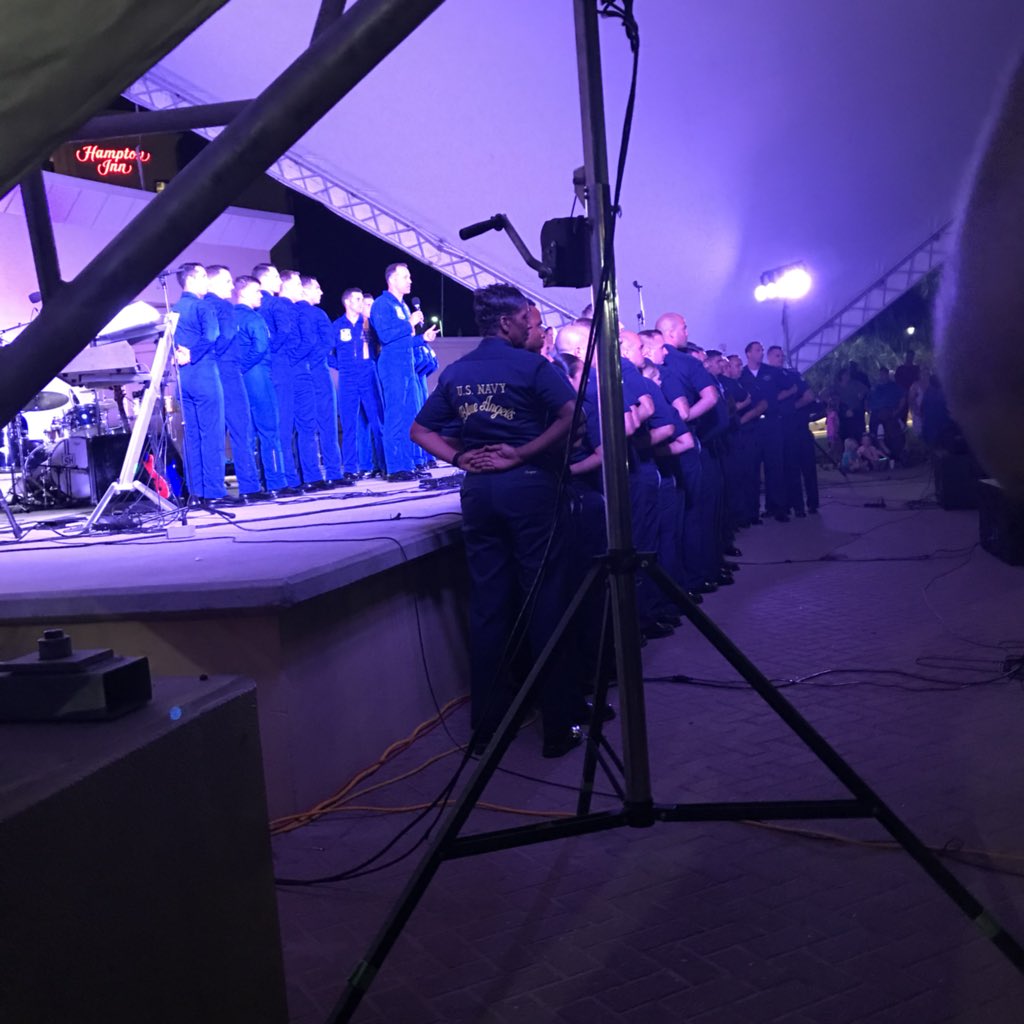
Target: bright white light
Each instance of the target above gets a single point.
(795, 283)
(910, 330)
(761, 292)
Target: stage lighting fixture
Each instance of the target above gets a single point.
(911, 330)
(792, 281)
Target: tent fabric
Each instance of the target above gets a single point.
(836, 134)
(64, 60)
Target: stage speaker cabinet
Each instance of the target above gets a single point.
(956, 481)
(1000, 523)
(106, 454)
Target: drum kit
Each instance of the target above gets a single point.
(46, 446)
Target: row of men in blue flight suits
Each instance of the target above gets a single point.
(704, 430)
(259, 369)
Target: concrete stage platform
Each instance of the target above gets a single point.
(346, 609)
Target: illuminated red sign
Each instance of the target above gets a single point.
(112, 161)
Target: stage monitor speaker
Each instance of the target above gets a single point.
(106, 455)
(956, 481)
(1000, 523)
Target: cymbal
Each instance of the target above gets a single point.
(46, 400)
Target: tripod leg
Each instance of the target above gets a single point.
(873, 805)
(436, 852)
(9, 515)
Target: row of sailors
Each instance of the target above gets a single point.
(703, 430)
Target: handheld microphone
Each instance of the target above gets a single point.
(415, 303)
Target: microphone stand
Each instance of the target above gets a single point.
(640, 317)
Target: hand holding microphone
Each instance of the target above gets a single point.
(417, 318)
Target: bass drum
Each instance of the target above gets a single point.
(68, 469)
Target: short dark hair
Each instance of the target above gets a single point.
(490, 304)
(215, 268)
(287, 275)
(691, 348)
(750, 345)
(391, 268)
(712, 352)
(307, 280)
(774, 348)
(261, 270)
(349, 292)
(186, 270)
(650, 332)
(243, 281)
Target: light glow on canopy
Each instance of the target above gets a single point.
(786, 283)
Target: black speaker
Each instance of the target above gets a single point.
(956, 481)
(1000, 523)
(565, 249)
(106, 455)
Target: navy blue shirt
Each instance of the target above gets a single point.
(266, 310)
(497, 394)
(225, 313)
(252, 338)
(390, 319)
(352, 347)
(197, 328)
(765, 386)
(284, 329)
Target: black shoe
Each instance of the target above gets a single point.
(560, 747)
(199, 503)
(252, 497)
(353, 477)
(421, 471)
(707, 587)
(694, 597)
(313, 486)
(733, 552)
(724, 579)
(288, 492)
(657, 631)
(586, 713)
(670, 619)
(227, 501)
(432, 464)
(342, 481)
(731, 567)
(401, 477)
(378, 474)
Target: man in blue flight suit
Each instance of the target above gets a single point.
(237, 414)
(371, 435)
(278, 326)
(252, 339)
(358, 394)
(766, 384)
(318, 339)
(294, 382)
(395, 326)
(739, 455)
(202, 399)
(512, 411)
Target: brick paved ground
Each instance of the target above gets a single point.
(730, 922)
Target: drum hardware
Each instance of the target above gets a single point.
(45, 401)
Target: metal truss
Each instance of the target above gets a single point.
(876, 297)
(157, 90)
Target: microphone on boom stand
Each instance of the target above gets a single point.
(640, 318)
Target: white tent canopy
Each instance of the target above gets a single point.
(834, 133)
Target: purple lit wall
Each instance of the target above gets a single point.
(837, 134)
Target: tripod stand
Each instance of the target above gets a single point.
(616, 571)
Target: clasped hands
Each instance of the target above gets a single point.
(492, 458)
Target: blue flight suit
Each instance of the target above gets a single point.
(767, 437)
(513, 522)
(424, 364)
(735, 464)
(397, 372)
(296, 405)
(237, 414)
(318, 339)
(202, 398)
(252, 341)
(358, 397)
(280, 323)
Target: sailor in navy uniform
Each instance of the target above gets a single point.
(252, 340)
(509, 412)
(202, 399)
(358, 390)
(765, 383)
(395, 326)
(237, 414)
(318, 338)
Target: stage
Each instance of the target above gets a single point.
(346, 609)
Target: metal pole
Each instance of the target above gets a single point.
(40, 235)
(346, 52)
(625, 626)
(155, 122)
